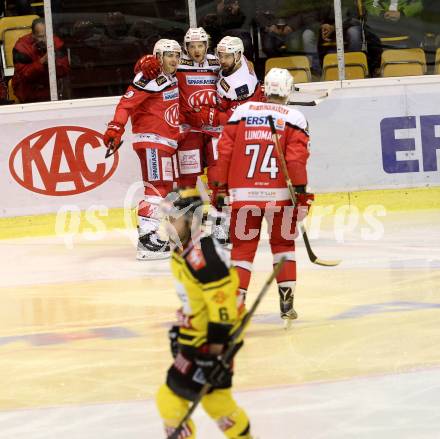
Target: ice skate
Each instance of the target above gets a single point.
(287, 312)
(221, 233)
(151, 247)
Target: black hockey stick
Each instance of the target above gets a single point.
(231, 350)
(112, 149)
(323, 94)
(313, 258)
(304, 104)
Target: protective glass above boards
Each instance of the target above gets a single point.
(379, 38)
(97, 42)
(105, 38)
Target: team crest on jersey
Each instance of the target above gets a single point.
(186, 62)
(161, 80)
(205, 97)
(171, 95)
(196, 259)
(242, 91)
(219, 297)
(213, 62)
(224, 85)
(172, 115)
(129, 94)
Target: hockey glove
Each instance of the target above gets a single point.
(215, 371)
(207, 116)
(218, 195)
(149, 66)
(173, 334)
(303, 203)
(113, 135)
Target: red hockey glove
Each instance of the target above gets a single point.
(113, 135)
(149, 66)
(218, 195)
(303, 203)
(207, 116)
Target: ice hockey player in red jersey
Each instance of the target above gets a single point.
(237, 82)
(248, 168)
(153, 106)
(197, 76)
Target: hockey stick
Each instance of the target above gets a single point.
(111, 149)
(313, 258)
(304, 103)
(315, 96)
(231, 350)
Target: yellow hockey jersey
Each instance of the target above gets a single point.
(208, 288)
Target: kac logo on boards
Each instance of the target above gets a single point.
(63, 160)
(399, 149)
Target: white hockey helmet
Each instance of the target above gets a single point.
(278, 82)
(230, 45)
(164, 45)
(195, 34)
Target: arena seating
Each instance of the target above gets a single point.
(356, 66)
(403, 62)
(298, 66)
(11, 29)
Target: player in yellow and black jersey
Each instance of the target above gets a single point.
(211, 310)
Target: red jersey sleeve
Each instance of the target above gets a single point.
(296, 154)
(128, 104)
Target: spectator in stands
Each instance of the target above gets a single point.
(297, 32)
(231, 20)
(146, 33)
(116, 25)
(276, 38)
(3, 91)
(210, 23)
(430, 23)
(351, 27)
(230, 15)
(31, 77)
(85, 44)
(391, 21)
